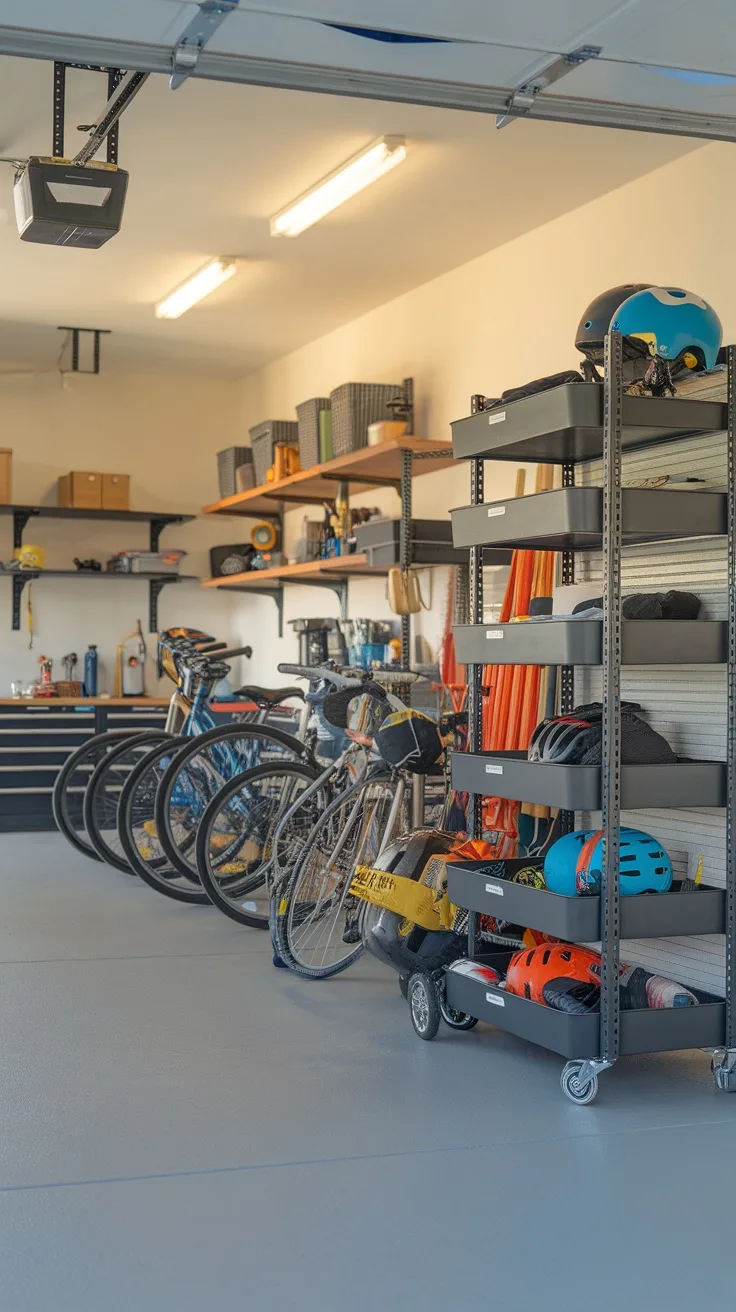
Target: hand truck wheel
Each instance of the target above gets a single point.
(424, 1005)
(457, 1020)
(577, 1091)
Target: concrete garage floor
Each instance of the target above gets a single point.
(184, 1127)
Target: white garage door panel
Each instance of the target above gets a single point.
(627, 85)
(129, 20)
(680, 33)
(553, 24)
(259, 36)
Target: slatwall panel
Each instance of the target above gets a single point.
(687, 704)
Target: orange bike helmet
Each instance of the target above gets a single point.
(531, 969)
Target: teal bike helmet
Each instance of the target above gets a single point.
(560, 862)
(675, 325)
(643, 864)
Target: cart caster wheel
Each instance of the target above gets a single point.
(571, 1086)
(403, 985)
(457, 1020)
(424, 1006)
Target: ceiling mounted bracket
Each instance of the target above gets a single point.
(73, 337)
(195, 36)
(557, 67)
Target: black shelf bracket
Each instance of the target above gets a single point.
(20, 578)
(155, 588)
(20, 519)
(157, 527)
(338, 586)
(276, 595)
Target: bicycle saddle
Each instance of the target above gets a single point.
(268, 696)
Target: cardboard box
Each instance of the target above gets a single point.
(6, 481)
(116, 492)
(80, 490)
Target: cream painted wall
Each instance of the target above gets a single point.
(164, 432)
(497, 322)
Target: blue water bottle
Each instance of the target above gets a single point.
(90, 671)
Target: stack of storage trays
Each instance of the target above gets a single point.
(565, 427)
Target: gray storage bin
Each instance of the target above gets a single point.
(356, 405)
(472, 884)
(227, 462)
(578, 787)
(307, 413)
(566, 423)
(670, 1029)
(263, 438)
(580, 642)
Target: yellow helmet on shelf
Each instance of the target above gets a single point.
(30, 557)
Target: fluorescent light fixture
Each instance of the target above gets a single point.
(196, 288)
(351, 177)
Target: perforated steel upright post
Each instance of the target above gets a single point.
(475, 678)
(405, 550)
(611, 745)
(731, 717)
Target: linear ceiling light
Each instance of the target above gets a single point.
(196, 288)
(351, 177)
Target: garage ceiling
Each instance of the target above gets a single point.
(211, 162)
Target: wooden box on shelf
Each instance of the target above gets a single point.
(6, 471)
(80, 491)
(116, 492)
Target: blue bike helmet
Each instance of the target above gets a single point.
(561, 861)
(644, 866)
(671, 323)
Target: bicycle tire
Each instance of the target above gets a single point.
(105, 792)
(185, 772)
(306, 894)
(95, 748)
(136, 814)
(229, 898)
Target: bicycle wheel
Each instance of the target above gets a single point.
(71, 783)
(137, 829)
(200, 769)
(235, 839)
(317, 931)
(102, 798)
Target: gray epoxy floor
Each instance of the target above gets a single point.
(185, 1127)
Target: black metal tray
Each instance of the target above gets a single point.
(657, 1030)
(566, 423)
(473, 884)
(578, 787)
(580, 642)
(571, 518)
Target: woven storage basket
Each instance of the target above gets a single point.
(355, 406)
(264, 437)
(308, 418)
(227, 462)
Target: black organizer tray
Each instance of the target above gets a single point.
(657, 1030)
(578, 787)
(580, 642)
(571, 518)
(577, 919)
(566, 423)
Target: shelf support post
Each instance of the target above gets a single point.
(567, 673)
(475, 677)
(731, 716)
(20, 519)
(611, 744)
(338, 586)
(405, 550)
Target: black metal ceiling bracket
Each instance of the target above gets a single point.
(96, 333)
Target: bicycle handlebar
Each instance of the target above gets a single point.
(315, 672)
(231, 652)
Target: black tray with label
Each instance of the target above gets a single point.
(580, 642)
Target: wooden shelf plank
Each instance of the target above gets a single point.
(311, 570)
(380, 463)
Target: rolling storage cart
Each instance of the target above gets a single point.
(567, 425)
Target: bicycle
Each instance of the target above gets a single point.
(317, 925)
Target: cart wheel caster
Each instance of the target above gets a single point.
(457, 1020)
(403, 985)
(572, 1087)
(424, 1006)
(723, 1066)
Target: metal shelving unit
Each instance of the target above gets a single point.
(566, 425)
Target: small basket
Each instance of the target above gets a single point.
(308, 419)
(227, 463)
(68, 688)
(263, 438)
(354, 407)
